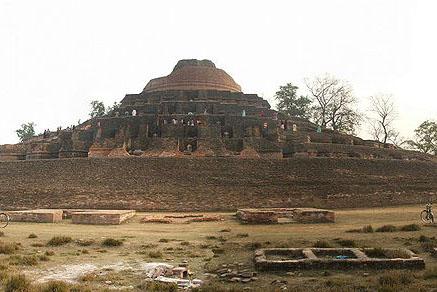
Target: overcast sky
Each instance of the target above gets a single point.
(56, 56)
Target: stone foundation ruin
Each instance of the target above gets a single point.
(181, 219)
(101, 217)
(274, 259)
(277, 215)
(36, 216)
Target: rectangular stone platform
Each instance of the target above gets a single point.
(273, 215)
(101, 217)
(274, 259)
(37, 216)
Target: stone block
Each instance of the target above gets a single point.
(37, 216)
(102, 217)
(272, 215)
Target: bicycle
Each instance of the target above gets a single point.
(4, 219)
(427, 215)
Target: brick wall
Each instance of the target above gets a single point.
(188, 184)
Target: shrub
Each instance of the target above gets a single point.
(164, 240)
(322, 244)
(55, 286)
(424, 238)
(185, 243)
(397, 253)
(2, 234)
(153, 286)
(364, 229)
(37, 244)
(43, 258)
(410, 227)
(155, 254)
(226, 230)
(347, 243)
(59, 240)
(376, 252)
(17, 283)
(32, 235)
(49, 253)
(254, 245)
(428, 246)
(242, 235)
(386, 228)
(394, 278)
(111, 242)
(26, 260)
(8, 248)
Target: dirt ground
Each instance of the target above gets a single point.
(208, 246)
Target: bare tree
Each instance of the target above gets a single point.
(384, 114)
(334, 103)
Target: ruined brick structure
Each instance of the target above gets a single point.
(197, 110)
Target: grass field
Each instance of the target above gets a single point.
(88, 265)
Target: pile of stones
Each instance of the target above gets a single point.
(236, 273)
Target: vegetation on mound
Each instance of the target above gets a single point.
(386, 228)
(112, 242)
(8, 248)
(364, 229)
(322, 244)
(59, 240)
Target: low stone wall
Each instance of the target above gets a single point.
(272, 215)
(275, 259)
(214, 184)
(102, 217)
(37, 216)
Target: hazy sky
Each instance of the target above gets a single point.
(57, 56)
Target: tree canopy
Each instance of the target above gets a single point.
(425, 139)
(97, 109)
(291, 104)
(26, 131)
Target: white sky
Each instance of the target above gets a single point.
(56, 56)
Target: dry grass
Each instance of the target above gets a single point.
(209, 254)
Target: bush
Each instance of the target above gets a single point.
(44, 258)
(111, 242)
(410, 227)
(347, 243)
(59, 240)
(386, 228)
(185, 243)
(322, 244)
(55, 286)
(152, 286)
(2, 234)
(49, 253)
(32, 235)
(376, 252)
(394, 278)
(26, 260)
(225, 230)
(155, 254)
(164, 240)
(8, 248)
(17, 283)
(364, 229)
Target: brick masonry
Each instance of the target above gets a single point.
(209, 184)
(102, 217)
(37, 216)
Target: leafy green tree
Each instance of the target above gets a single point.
(291, 104)
(97, 109)
(26, 131)
(112, 109)
(425, 138)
